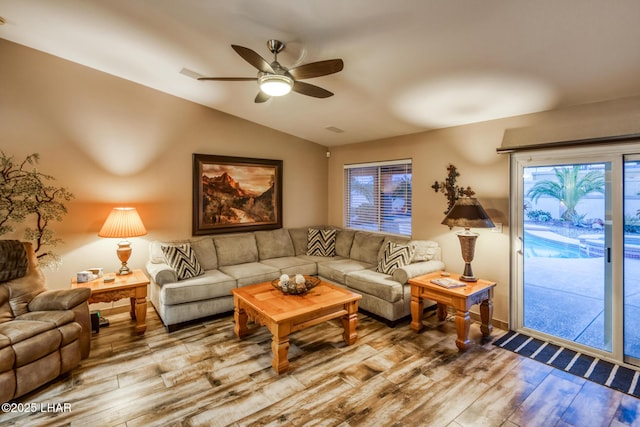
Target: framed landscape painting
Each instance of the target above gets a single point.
(236, 194)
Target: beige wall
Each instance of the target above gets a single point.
(472, 149)
(112, 142)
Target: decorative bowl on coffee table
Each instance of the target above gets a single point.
(296, 285)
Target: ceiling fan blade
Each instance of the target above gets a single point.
(229, 79)
(253, 58)
(311, 90)
(317, 69)
(262, 97)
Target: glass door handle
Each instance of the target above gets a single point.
(520, 251)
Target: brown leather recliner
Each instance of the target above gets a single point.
(43, 333)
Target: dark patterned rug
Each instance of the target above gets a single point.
(609, 374)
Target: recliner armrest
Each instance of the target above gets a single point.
(59, 299)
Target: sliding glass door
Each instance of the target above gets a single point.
(632, 258)
(576, 248)
(566, 276)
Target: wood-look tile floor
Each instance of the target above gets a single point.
(202, 375)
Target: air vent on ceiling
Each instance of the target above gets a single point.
(334, 129)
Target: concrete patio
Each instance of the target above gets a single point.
(564, 297)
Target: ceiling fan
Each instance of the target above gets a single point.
(276, 80)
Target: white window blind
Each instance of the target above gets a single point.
(378, 196)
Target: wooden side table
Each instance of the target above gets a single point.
(462, 298)
(132, 286)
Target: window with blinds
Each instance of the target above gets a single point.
(378, 197)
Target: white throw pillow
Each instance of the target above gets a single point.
(425, 250)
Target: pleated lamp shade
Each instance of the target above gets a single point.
(123, 223)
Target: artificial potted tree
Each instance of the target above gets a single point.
(27, 197)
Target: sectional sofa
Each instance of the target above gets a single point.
(193, 278)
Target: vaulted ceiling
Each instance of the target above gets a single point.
(409, 65)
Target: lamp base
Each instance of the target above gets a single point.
(467, 245)
(124, 252)
(468, 276)
(124, 270)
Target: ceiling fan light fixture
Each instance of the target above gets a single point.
(275, 84)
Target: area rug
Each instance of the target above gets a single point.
(609, 374)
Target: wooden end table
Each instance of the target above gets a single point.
(132, 286)
(462, 298)
(284, 314)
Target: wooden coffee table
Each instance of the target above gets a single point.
(132, 286)
(284, 314)
(461, 299)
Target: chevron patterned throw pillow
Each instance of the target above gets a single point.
(182, 259)
(321, 242)
(394, 256)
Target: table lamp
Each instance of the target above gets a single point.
(467, 212)
(123, 223)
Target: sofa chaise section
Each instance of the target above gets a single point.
(385, 295)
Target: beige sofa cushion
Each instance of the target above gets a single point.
(366, 247)
(251, 273)
(378, 284)
(344, 241)
(205, 252)
(299, 238)
(337, 270)
(212, 284)
(235, 249)
(274, 244)
(293, 265)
